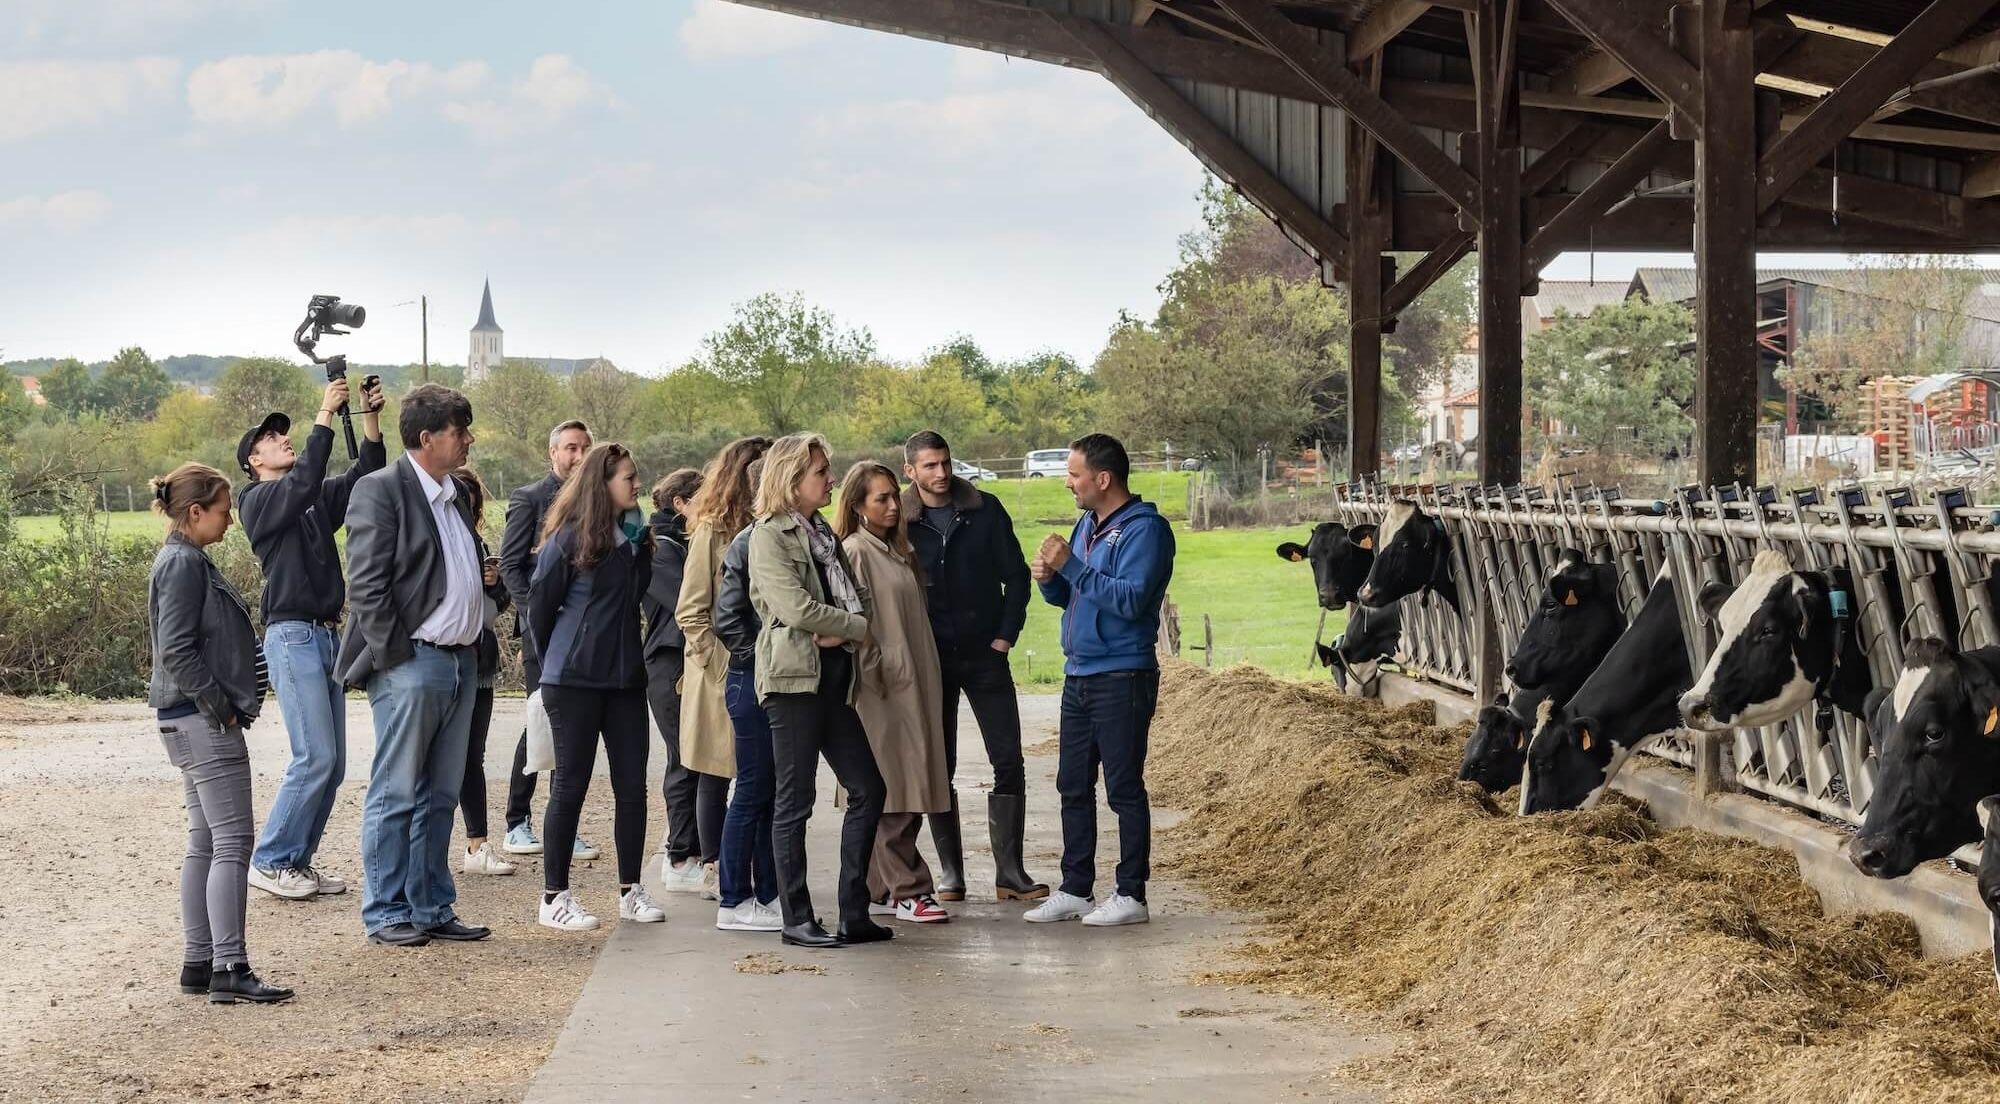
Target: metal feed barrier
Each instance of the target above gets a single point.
(1916, 570)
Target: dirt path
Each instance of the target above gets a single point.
(90, 849)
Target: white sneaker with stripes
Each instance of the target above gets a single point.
(564, 914)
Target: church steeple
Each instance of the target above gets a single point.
(486, 323)
(487, 351)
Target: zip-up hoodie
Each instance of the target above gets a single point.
(1110, 589)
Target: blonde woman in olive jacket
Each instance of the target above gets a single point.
(814, 615)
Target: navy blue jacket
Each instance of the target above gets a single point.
(585, 624)
(1110, 590)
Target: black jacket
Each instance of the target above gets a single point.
(670, 553)
(736, 621)
(527, 508)
(975, 578)
(291, 520)
(204, 649)
(489, 644)
(585, 624)
(395, 569)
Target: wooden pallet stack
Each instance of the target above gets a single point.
(1885, 414)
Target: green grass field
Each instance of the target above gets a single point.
(1261, 607)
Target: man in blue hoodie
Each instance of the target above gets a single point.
(1109, 579)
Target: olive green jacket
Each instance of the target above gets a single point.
(785, 591)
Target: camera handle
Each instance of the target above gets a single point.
(336, 369)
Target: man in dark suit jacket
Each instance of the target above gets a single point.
(415, 612)
(527, 508)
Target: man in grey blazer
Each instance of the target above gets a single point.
(415, 613)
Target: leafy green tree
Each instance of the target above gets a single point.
(688, 401)
(605, 397)
(972, 362)
(513, 409)
(185, 424)
(934, 395)
(132, 386)
(788, 360)
(1045, 401)
(69, 389)
(255, 386)
(1619, 380)
(1895, 316)
(15, 407)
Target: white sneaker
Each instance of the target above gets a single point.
(292, 884)
(881, 908)
(636, 906)
(1059, 906)
(748, 916)
(1120, 909)
(711, 889)
(921, 910)
(484, 861)
(685, 878)
(327, 884)
(771, 915)
(521, 840)
(564, 914)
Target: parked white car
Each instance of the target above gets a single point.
(1043, 462)
(972, 474)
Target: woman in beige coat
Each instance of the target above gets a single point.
(719, 511)
(901, 699)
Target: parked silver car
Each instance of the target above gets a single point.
(1043, 462)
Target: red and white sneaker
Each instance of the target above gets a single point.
(921, 910)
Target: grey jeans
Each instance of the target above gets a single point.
(215, 887)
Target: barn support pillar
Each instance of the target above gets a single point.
(1366, 231)
(1490, 30)
(1725, 252)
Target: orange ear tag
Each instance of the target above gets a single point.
(1571, 600)
(1366, 543)
(1296, 557)
(1992, 720)
(1584, 739)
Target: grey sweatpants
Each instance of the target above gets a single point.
(215, 877)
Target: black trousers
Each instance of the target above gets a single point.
(988, 682)
(1105, 722)
(521, 784)
(696, 802)
(472, 791)
(803, 728)
(579, 718)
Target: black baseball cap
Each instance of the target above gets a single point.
(273, 422)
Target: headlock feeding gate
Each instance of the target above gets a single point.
(1912, 569)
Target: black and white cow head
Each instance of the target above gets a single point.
(1355, 658)
(1340, 556)
(1412, 553)
(1498, 746)
(1570, 762)
(1576, 622)
(1780, 644)
(1989, 872)
(1937, 738)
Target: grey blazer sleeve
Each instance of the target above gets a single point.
(371, 566)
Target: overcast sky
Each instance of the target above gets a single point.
(182, 174)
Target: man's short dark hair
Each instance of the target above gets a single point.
(429, 409)
(1102, 452)
(923, 440)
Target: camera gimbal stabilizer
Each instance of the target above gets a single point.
(323, 316)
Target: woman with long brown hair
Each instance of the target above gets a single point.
(592, 572)
(720, 510)
(901, 698)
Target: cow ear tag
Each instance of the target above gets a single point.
(1521, 742)
(1570, 599)
(1296, 557)
(1367, 542)
(1992, 720)
(1584, 739)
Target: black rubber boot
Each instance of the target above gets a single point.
(951, 853)
(237, 983)
(1006, 824)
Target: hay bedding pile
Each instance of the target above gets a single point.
(1585, 956)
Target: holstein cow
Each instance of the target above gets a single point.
(1574, 625)
(1937, 739)
(1631, 699)
(1786, 640)
(1412, 553)
(1341, 557)
(1989, 872)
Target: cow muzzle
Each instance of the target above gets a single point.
(1697, 712)
(1876, 858)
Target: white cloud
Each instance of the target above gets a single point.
(555, 88)
(46, 96)
(262, 91)
(64, 211)
(98, 23)
(719, 31)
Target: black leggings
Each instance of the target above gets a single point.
(578, 717)
(472, 791)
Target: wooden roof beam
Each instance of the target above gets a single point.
(1609, 24)
(1614, 184)
(1382, 24)
(1327, 71)
(1982, 177)
(1938, 26)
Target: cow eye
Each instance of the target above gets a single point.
(1933, 736)
(1767, 632)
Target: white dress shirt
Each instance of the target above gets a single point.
(458, 619)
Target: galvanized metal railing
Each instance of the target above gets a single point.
(1914, 570)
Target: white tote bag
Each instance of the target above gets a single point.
(541, 737)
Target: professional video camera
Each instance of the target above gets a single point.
(323, 316)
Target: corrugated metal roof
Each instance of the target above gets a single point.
(1677, 285)
(1578, 297)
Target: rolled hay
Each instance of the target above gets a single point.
(1588, 956)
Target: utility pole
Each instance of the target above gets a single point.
(424, 308)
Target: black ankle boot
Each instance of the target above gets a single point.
(237, 983)
(194, 977)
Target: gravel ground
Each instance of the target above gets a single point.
(90, 850)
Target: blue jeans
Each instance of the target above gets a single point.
(300, 656)
(746, 864)
(423, 719)
(1105, 721)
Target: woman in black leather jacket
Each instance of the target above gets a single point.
(208, 685)
(746, 870)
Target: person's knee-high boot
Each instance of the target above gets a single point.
(951, 853)
(1006, 825)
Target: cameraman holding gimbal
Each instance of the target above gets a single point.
(290, 511)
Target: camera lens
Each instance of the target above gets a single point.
(351, 315)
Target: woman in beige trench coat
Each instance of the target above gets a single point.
(901, 699)
(719, 511)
